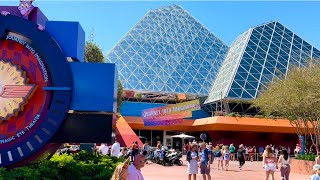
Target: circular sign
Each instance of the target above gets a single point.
(32, 108)
(203, 137)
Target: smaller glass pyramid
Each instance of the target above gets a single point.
(258, 56)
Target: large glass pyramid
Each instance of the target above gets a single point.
(258, 56)
(168, 50)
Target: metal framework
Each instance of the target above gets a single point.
(168, 51)
(256, 58)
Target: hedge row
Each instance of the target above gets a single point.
(82, 165)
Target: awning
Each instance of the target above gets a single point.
(125, 135)
(221, 123)
(225, 123)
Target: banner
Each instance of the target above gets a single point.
(169, 115)
(302, 144)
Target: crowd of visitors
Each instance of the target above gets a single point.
(272, 157)
(200, 156)
(128, 170)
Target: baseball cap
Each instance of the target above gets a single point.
(316, 167)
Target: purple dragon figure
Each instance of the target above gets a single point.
(25, 7)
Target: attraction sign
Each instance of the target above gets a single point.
(38, 85)
(29, 63)
(172, 114)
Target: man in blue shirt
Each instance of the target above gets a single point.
(316, 176)
(261, 149)
(204, 162)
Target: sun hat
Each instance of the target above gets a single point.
(316, 167)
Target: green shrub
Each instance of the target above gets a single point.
(248, 115)
(238, 115)
(259, 116)
(232, 114)
(82, 165)
(307, 157)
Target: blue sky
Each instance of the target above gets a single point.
(111, 20)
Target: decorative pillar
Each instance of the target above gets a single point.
(164, 138)
(151, 139)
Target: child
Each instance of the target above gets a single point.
(316, 176)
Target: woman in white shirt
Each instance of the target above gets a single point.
(284, 161)
(192, 158)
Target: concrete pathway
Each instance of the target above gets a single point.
(250, 171)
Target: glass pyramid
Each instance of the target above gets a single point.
(168, 50)
(257, 57)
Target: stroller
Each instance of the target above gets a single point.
(164, 158)
(154, 155)
(128, 154)
(151, 155)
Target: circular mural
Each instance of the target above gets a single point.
(32, 108)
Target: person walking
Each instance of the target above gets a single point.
(103, 149)
(246, 153)
(115, 149)
(135, 168)
(204, 162)
(192, 158)
(219, 156)
(269, 163)
(232, 152)
(146, 148)
(123, 153)
(226, 157)
(210, 151)
(133, 151)
(284, 161)
(241, 156)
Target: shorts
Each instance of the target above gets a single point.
(204, 169)
(220, 158)
(270, 167)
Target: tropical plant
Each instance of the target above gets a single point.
(296, 98)
(93, 53)
(119, 98)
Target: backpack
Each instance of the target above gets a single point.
(218, 153)
(226, 156)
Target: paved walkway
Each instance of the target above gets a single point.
(250, 171)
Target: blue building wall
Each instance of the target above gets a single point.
(94, 87)
(70, 36)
